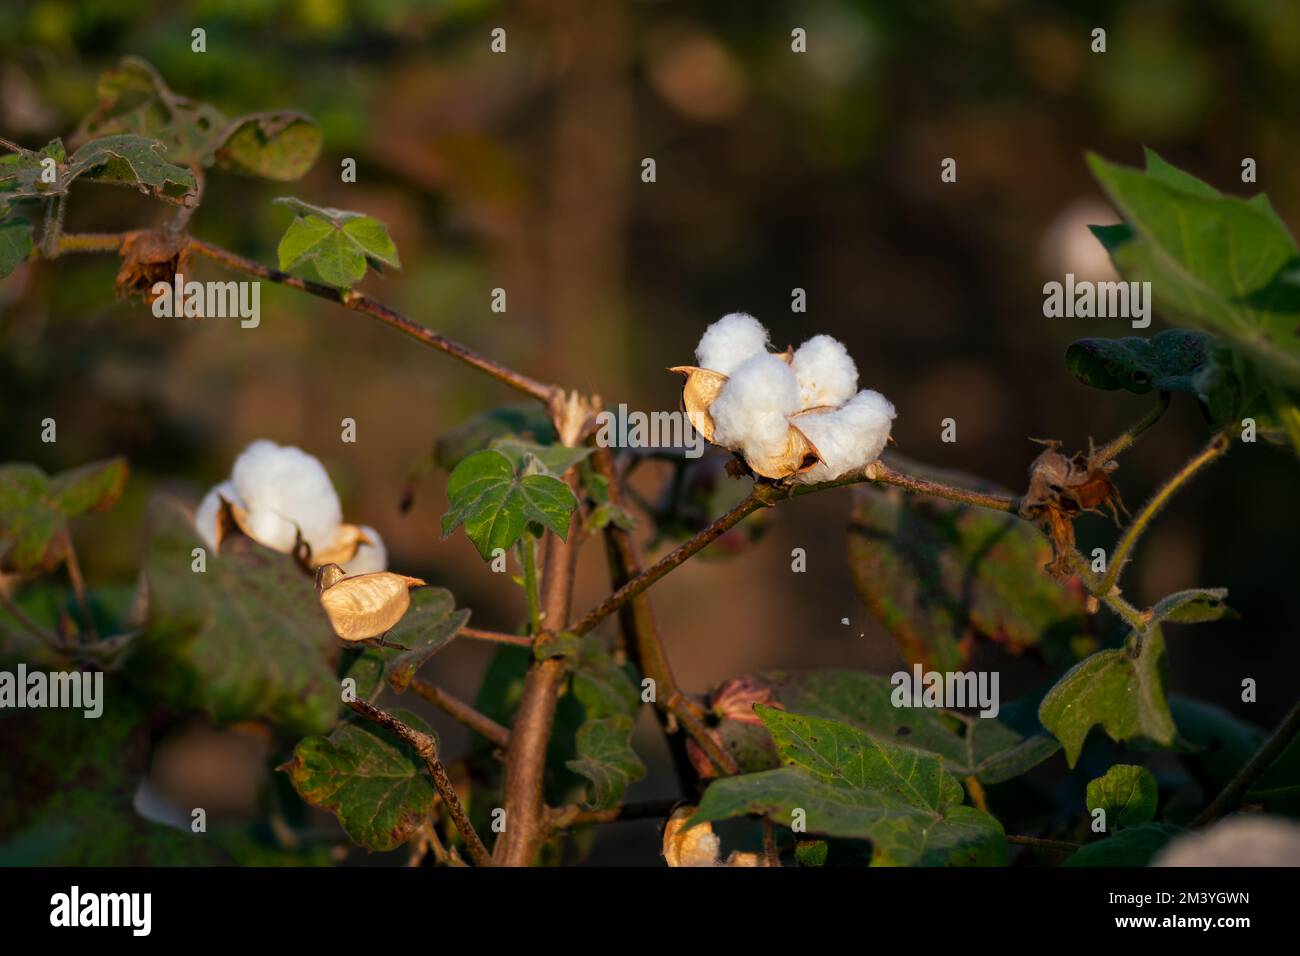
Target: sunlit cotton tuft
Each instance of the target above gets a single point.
(752, 412)
(369, 557)
(848, 437)
(825, 372)
(730, 341)
(285, 490)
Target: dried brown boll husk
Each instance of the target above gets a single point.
(1060, 489)
(364, 606)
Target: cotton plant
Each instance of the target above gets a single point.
(277, 493)
(795, 415)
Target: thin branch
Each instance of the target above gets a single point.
(460, 711)
(427, 747)
(1064, 846)
(1236, 789)
(1126, 439)
(668, 562)
(356, 301)
(49, 639)
(1217, 446)
(496, 637)
(575, 816)
(79, 587)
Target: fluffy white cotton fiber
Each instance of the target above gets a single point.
(730, 341)
(285, 490)
(205, 516)
(848, 437)
(752, 412)
(369, 557)
(825, 372)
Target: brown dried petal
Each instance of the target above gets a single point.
(699, 391)
(735, 700)
(150, 256)
(364, 606)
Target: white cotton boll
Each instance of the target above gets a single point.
(825, 372)
(369, 557)
(205, 515)
(751, 413)
(730, 341)
(848, 437)
(285, 490)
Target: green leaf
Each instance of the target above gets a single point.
(523, 421)
(338, 244)
(811, 852)
(35, 508)
(1193, 606)
(280, 146)
(245, 639)
(1135, 846)
(606, 758)
(969, 745)
(1127, 793)
(1216, 744)
(938, 574)
(496, 504)
(15, 244)
(850, 784)
(1122, 690)
(133, 98)
(1175, 360)
(555, 460)
(131, 161)
(375, 784)
(603, 687)
(1215, 262)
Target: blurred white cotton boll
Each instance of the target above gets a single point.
(730, 341)
(205, 515)
(848, 437)
(285, 490)
(825, 372)
(370, 557)
(1236, 841)
(752, 411)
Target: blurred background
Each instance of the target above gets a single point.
(774, 171)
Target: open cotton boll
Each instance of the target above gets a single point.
(370, 557)
(848, 437)
(825, 372)
(730, 341)
(752, 411)
(205, 515)
(286, 490)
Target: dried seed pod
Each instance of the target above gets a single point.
(799, 455)
(701, 387)
(232, 518)
(698, 846)
(150, 256)
(365, 606)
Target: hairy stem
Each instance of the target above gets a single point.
(1126, 439)
(427, 748)
(1236, 789)
(79, 587)
(495, 637)
(1217, 446)
(462, 712)
(528, 560)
